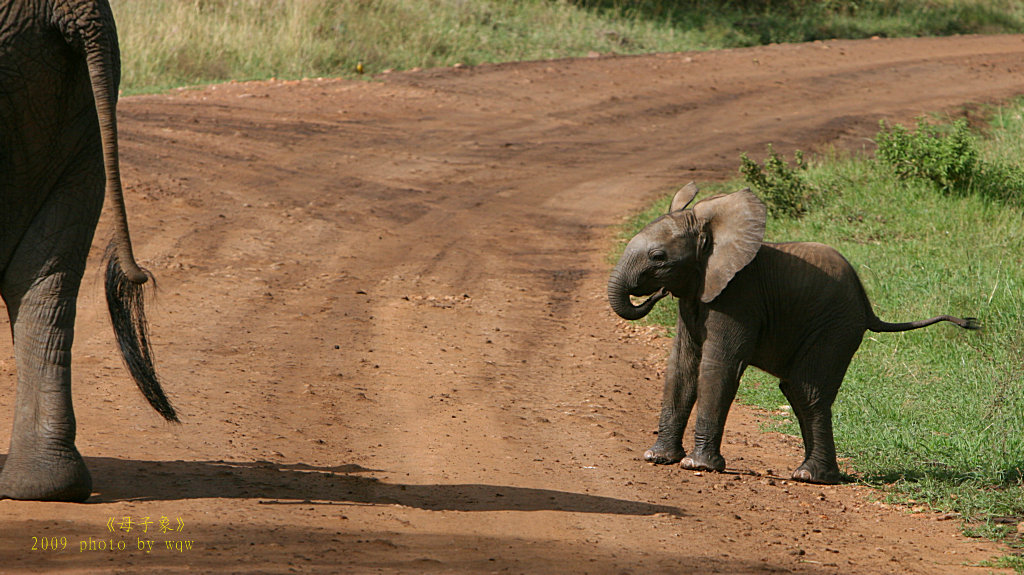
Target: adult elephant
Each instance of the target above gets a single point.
(796, 310)
(59, 76)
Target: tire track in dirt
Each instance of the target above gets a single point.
(382, 314)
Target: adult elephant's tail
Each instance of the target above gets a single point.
(128, 316)
(95, 33)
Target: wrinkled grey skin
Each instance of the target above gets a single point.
(796, 310)
(59, 73)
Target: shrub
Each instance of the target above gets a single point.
(949, 158)
(784, 190)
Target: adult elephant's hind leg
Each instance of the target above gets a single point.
(43, 463)
(40, 287)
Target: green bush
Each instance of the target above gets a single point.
(1001, 180)
(948, 157)
(783, 189)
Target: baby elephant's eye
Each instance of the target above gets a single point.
(658, 255)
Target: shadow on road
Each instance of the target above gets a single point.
(295, 483)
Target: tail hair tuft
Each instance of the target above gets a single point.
(128, 317)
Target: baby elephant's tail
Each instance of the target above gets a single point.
(877, 325)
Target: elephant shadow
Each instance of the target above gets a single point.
(118, 480)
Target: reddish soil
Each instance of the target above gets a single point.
(382, 315)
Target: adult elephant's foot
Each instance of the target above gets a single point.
(813, 472)
(662, 455)
(46, 477)
(702, 462)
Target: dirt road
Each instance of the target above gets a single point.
(382, 317)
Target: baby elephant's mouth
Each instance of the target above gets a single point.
(654, 295)
(624, 285)
(631, 311)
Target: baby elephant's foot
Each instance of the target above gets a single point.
(697, 462)
(661, 455)
(812, 472)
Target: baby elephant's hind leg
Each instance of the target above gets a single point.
(811, 389)
(815, 415)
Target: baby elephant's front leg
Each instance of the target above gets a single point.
(677, 401)
(717, 386)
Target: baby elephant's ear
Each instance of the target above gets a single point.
(683, 197)
(736, 224)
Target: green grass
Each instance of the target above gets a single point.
(934, 417)
(175, 42)
(1015, 562)
(752, 22)
(170, 43)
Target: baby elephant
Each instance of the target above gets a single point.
(795, 310)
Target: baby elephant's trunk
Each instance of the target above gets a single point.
(620, 284)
